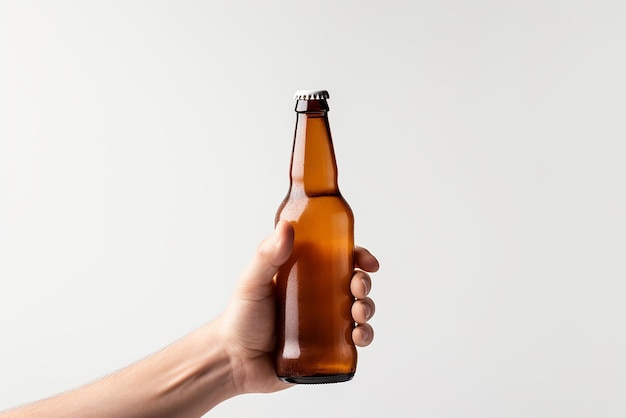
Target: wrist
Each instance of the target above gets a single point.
(231, 356)
(203, 375)
(188, 378)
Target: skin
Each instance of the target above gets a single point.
(229, 356)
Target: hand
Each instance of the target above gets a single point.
(247, 325)
(224, 358)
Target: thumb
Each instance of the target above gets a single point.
(271, 253)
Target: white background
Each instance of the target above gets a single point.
(144, 148)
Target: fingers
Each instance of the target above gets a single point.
(363, 335)
(363, 259)
(272, 252)
(281, 245)
(361, 284)
(363, 310)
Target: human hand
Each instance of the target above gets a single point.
(226, 357)
(247, 325)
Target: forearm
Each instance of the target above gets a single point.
(185, 379)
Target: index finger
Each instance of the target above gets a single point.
(364, 260)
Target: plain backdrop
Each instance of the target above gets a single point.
(144, 149)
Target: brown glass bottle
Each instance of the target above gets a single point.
(314, 320)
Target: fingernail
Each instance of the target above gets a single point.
(276, 235)
(365, 285)
(368, 311)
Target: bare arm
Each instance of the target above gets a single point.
(225, 358)
(185, 379)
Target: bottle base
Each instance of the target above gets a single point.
(319, 379)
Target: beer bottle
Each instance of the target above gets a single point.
(314, 320)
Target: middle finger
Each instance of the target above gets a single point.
(360, 285)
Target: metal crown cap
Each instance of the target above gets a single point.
(311, 95)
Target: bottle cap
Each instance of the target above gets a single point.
(311, 95)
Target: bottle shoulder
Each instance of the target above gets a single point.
(315, 199)
(297, 206)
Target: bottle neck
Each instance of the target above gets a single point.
(313, 165)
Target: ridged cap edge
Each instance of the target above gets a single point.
(311, 95)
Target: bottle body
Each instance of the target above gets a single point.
(314, 320)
